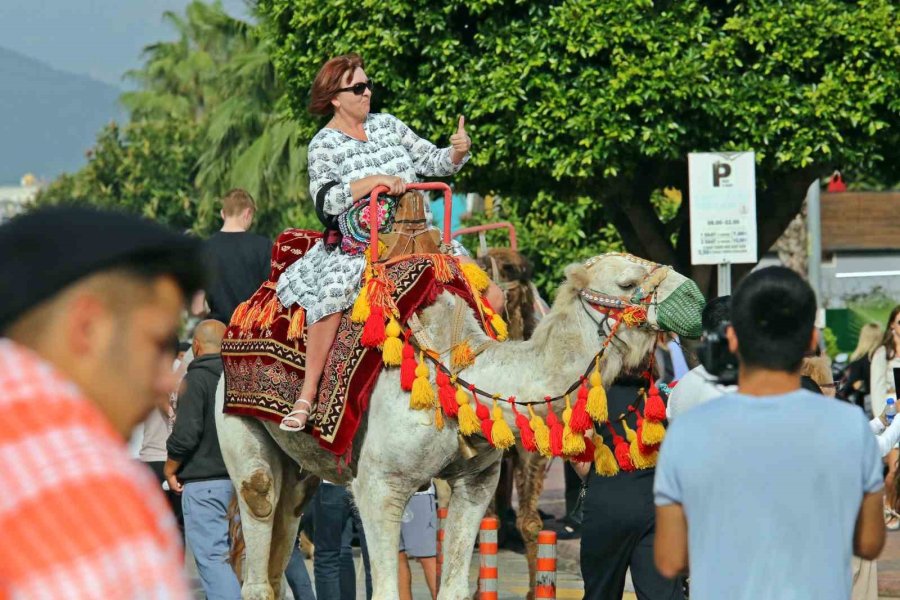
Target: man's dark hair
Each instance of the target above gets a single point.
(773, 312)
(716, 312)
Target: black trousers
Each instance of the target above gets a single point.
(617, 533)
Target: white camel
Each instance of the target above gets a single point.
(399, 449)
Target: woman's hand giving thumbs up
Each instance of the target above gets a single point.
(460, 142)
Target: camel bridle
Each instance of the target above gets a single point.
(628, 310)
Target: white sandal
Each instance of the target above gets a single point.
(290, 422)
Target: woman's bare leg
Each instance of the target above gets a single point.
(318, 343)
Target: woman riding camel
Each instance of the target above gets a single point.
(354, 153)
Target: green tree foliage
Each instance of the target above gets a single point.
(214, 85)
(146, 167)
(568, 100)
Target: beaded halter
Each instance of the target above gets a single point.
(643, 294)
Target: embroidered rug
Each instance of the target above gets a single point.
(265, 347)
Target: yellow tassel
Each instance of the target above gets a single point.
(630, 435)
(240, 313)
(295, 329)
(476, 277)
(541, 433)
(438, 419)
(361, 308)
(461, 356)
(597, 406)
(467, 419)
(604, 461)
(422, 395)
(392, 351)
(641, 461)
(501, 434)
(573, 443)
(267, 316)
(499, 326)
(652, 433)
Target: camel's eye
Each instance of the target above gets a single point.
(627, 286)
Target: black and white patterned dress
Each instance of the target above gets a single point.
(325, 281)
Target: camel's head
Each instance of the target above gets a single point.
(638, 291)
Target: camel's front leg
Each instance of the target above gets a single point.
(472, 492)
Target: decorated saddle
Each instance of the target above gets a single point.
(264, 347)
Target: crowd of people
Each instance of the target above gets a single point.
(764, 488)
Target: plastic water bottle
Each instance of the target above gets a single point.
(891, 410)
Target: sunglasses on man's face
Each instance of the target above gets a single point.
(358, 89)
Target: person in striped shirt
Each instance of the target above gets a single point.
(91, 301)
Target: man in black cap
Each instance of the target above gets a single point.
(90, 303)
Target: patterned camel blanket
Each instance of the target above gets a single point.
(264, 347)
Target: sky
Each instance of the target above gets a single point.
(98, 38)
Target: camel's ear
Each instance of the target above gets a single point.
(578, 276)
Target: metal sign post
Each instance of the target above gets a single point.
(722, 211)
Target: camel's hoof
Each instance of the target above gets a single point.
(257, 591)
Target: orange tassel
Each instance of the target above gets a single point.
(438, 419)
(526, 434)
(556, 432)
(446, 393)
(240, 314)
(298, 320)
(269, 312)
(581, 420)
(654, 409)
(461, 356)
(442, 270)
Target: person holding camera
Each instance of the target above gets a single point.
(698, 386)
(771, 489)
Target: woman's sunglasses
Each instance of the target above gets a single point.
(358, 89)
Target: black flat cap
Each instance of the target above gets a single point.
(43, 251)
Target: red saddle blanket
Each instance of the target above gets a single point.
(265, 345)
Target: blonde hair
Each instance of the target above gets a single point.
(869, 338)
(817, 368)
(237, 201)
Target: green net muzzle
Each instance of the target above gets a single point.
(681, 310)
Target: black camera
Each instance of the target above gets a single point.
(716, 358)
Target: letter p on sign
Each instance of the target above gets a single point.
(720, 171)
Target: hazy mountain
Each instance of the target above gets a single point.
(48, 118)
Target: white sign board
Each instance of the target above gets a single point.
(722, 207)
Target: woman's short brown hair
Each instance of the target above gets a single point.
(329, 80)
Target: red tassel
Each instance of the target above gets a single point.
(588, 454)
(581, 420)
(484, 415)
(654, 409)
(408, 368)
(622, 451)
(556, 431)
(525, 432)
(446, 393)
(373, 331)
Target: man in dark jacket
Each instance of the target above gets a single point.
(195, 467)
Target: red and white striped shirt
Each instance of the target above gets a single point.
(79, 518)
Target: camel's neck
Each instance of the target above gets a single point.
(557, 354)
